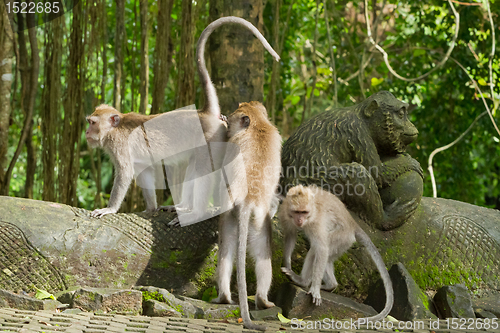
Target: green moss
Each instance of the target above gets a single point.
(152, 295)
(425, 300)
(234, 314)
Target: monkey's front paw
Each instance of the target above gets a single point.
(98, 213)
(288, 272)
(316, 295)
(175, 223)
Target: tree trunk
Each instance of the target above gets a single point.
(30, 163)
(6, 56)
(237, 56)
(73, 113)
(162, 55)
(271, 98)
(119, 44)
(30, 87)
(144, 77)
(51, 105)
(185, 84)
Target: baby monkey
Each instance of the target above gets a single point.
(331, 231)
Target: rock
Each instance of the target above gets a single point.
(480, 313)
(154, 308)
(72, 311)
(490, 304)
(108, 300)
(213, 310)
(21, 302)
(266, 314)
(66, 296)
(51, 304)
(186, 309)
(296, 303)
(409, 301)
(454, 302)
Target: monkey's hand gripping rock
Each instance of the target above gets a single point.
(98, 213)
(296, 279)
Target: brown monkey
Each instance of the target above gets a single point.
(123, 136)
(331, 231)
(250, 220)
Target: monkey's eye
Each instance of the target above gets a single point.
(401, 113)
(245, 121)
(301, 212)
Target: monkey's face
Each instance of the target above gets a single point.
(92, 132)
(301, 200)
(99, 126)
(391, 129)
(237, 122)
(300, 217)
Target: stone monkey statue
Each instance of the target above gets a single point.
(358, 153)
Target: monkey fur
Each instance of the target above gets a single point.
(331, 231)
(111, 130)
(250, 220)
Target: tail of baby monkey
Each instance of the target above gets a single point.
(362, 237)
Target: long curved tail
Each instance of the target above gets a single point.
(212, 102)
(363, 238)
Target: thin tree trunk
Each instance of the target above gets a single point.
(133, 56)
(51, 105)
(237, 56)
(185, 84)
(271, 100)
(144, 76)
(119, 44)
(162, 55)
(30, 87)
(6, 57)
(73, 113)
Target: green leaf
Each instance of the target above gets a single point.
(482, 82)
(209, 294)
(376, 82)
(316, 92)
(295, 99)
(42, 294)
(418, 52)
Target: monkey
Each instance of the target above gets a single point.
(112, 131)
(250, 219)
(331, 231)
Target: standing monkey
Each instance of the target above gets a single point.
(331, 231)
(120, 135)
(250, 220)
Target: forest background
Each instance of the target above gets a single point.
(139, 56)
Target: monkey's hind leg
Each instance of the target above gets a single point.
(228, 238)
(330, 282)
(260, 249)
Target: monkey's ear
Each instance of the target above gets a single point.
(115, 120)
(245, 121)
(370, 109)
